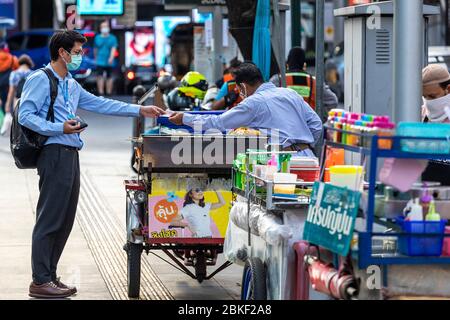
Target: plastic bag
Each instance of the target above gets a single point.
(235, 248)
(272, 230)
(6, 127)
(240, 217)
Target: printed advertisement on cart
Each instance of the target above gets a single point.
(189, 208)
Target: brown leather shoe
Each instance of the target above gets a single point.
(58, 282)
(48, 290)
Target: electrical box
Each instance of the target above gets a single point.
(368, 55)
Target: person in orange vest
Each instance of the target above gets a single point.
(8, 63)
(228, 96)
(302, 82)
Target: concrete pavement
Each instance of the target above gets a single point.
(105, 164)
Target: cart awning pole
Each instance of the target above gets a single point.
(408, 59)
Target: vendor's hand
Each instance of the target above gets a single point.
(176, 118)
(151, 111)
(72, 126)
(111, 61)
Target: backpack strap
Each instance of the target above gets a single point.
(53, 93)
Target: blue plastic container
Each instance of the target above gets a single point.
(421, 245)
(426, 130)
(164, 120)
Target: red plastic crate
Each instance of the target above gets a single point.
(307, 174)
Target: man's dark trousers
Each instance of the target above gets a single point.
(59, 186)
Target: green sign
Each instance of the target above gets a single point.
(331, 217)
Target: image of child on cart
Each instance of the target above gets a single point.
(195, 214)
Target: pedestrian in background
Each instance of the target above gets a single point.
(58, 163)
(8, 63)
(105, 46)
(17, 79)
(302, 82)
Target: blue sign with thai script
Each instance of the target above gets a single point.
(331, 217)
(8, 13)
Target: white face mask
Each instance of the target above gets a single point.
(243, 91)
(104, 30)
(439, 109)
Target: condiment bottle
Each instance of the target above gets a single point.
(432, 214)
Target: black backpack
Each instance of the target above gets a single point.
(19, 87)
(26, 144)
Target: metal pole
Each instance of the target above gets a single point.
(320, 48)
(408, 59)
(447, 23)
(296, 16)
(218, 42)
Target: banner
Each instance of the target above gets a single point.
(197, 210)
(331, 217)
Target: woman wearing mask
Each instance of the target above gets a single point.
(436, 108)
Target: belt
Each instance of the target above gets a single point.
(297, 147)
(70, 148)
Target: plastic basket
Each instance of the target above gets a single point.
(421, 245)
(425, 130)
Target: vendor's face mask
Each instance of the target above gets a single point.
(439, 109)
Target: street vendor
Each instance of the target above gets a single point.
(274, 111)
(436, 87)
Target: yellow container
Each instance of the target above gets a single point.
(347, 176)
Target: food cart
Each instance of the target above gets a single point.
(168, 153)
(410, 258)
(262, 229)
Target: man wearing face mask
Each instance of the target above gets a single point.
(105, 46)
(275, 111)
(58, 163)
(436, 88)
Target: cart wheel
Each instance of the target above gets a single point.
(254, 280)
(200, 266)
(134, 252)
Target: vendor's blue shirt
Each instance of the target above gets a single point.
(104, 46)
(35, 101)
(268, 109)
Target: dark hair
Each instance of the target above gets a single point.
(64, 39)
(296, 58)
(444, 85)
(235, 63)
(249, 73)
(188, 200)
(26, 59)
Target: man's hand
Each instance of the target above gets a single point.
(176, 118)
(72, 126)
(151, 111)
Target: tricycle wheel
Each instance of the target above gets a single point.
(200, 266)
(254, 280)
(134, 252)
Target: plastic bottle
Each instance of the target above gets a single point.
(416, 210)
(384, 129)
(432, 214)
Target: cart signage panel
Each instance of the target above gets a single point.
(180, 211)
(331, 217)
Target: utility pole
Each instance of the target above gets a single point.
(408, 59)
(320, 56)
(296, 21)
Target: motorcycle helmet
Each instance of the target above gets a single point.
(194, 85)
(178, 101)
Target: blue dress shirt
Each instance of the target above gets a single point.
(35, 101)
(273, 111)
